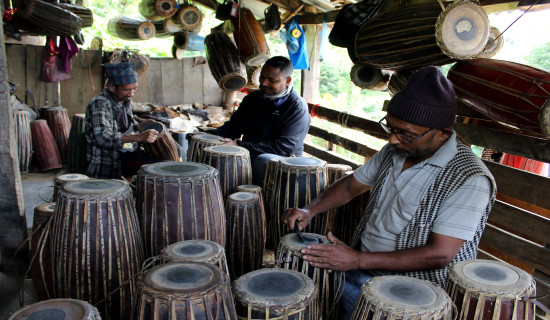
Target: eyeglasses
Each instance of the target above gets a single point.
(399, 134)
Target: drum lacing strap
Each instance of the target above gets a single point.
(342, 119)
(539, 304)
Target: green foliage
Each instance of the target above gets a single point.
(540, 57)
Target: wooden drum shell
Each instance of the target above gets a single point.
(76, 148)
(46, 151)
(24, 140)
(165, 146)
(198, 142)
(196, 251)
(225, 62)
(250, 38)
(233, 164)
(59, 124)
(41, 252)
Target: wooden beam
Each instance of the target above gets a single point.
(318, 18)
(522, 185)
(347, 120)
(532, 225)
(329, 156)
(347, 144)
(525, 146)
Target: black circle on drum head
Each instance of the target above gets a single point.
(225, 149)
(490, 273)
(408, 293)
(192, 249)
(48, 314)
(159, 127)
(233, 84)
(275, 285)
(182, 276)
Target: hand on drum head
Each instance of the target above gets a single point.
(149, 136)
(293, 215)
(336, 256)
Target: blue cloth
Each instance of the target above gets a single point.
(121, 73)
(324, 40)
(297, 47)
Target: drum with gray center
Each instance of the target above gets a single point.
(200, 141)
(233, 163)
(196, 251)
(56, 309)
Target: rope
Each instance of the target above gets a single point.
(315, 111)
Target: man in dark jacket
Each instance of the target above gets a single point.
(272, 121)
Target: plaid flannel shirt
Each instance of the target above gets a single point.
(103, 135)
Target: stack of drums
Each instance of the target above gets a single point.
(58, 309)
(196, 251)
(245, 233)
(179, 201)
(486, 289)
(165, 146)
(399, 297)
(276, 294)
(64, 178)
(198, 143)
(328, 282)
(24, 140)
(296, 182)
(59, 124)
(77, 144)
(186, 291)
(41, 266)
(233, 164)
(97, 245)
(46, 151)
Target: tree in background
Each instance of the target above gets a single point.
(540, 57)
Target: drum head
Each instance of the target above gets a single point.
(193, 250)
(159, 127)
(243, 197)
(233, 81)
(95, 186)
(302, 162)
(207, 137)
(55, 309)
(365, 76)
(489, 276)
(46, 207)
(406, 294)
(249, 188)
(229, 150)
(273, 287)
(462, 30)
(176, 169)
(190, 277)
(71, 177)
(293, 241)
(494, 44)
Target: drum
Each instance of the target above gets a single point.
(179, 201)
(234, 166)
(185, 290)
(329, 283)
(41, 254)
(253, 74)
(58, 309)
(224, 61)
(250, 38)
(297, 182)
(157, 9)
(258, 191)
(196, 251)
(400, 297)
(76, 148)
(275, 294)
(422, 34)
(269, 187)
(365, 76)
(24, 140)
(131, 29)
(165, 146)
(487, 289)
(64, 178)
(336, 172)
(506, 92)
(97, 245)
(245, 233)
(45, 149)
(188, 17)
(181, 40)
(494, 44)
(59, 124)
(197, 144)
(399, 80)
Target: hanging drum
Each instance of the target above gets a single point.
(157, 9)
(365, 76)
(224, 61)
(189, 18)
(423, 34)
(494, 44)
(509, 93)
(250, 38)
(47, 16)
(85, 14)
(398, 80)
(253, 74)
(181, 40)
(128, 28)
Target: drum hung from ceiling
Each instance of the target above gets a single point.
(157, 10)
(494, 44)
(224, 61)
(509, 93)
(189, 18)
(128, 28)
(52, 19)
(250, 38)
(365, 76)
(422, 34)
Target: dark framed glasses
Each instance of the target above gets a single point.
(399, 134)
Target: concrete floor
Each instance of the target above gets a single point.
(15, 288)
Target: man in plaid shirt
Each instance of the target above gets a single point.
(112, 150)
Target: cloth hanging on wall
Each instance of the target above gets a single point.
(295, 40)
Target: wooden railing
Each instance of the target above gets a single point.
(518, 230)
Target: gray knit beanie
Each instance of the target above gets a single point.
(428, 100)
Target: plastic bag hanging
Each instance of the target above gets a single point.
(295, 41)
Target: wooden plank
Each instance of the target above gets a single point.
(522, 185)
(193, 81)
(329, 156)
(71, 90)
(318, 18)
(142, 94)
(32, 69)
(347, 144)
(347, 120)
(92, 81)
(212, 94)
(172, 76)
(155, 82)
(525, 146)
(16, 69)
(516, 247)
(532, 225)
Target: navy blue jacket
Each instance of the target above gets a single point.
(269, 126)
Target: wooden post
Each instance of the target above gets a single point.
(13, 226)
(311, 76)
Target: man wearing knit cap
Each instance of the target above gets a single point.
(112, 150)
(430, 195)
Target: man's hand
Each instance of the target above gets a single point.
(295, 215)
(229, 142)
(148, 136)
(336, 256)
